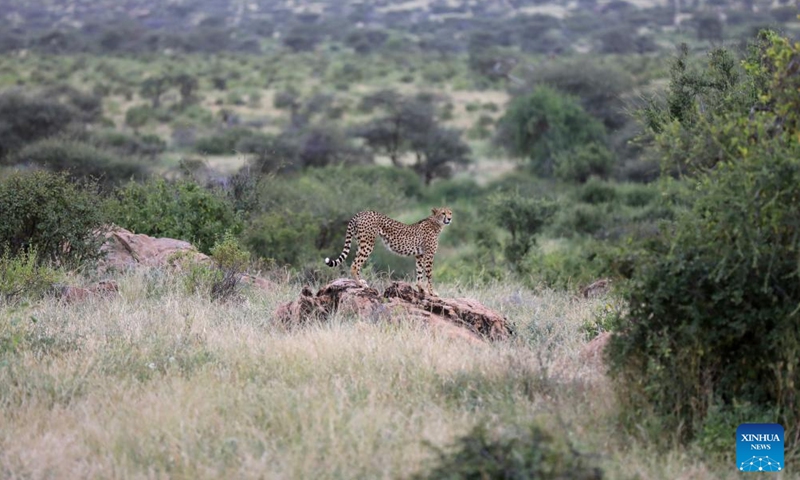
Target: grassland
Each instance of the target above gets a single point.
(158, 383)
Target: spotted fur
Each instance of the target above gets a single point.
(419, 240)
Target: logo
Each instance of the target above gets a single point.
(759, 447)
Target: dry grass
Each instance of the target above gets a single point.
(157, 383)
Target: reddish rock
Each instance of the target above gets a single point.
(597, 288)
(592, 352)
(104, 289)
(462, 317)
(124, 250)
(258, 282)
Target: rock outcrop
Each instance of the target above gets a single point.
(596, 288)
(592, 353)
(103, 289)
(124, 250)
(460, 317)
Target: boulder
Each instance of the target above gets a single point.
(103, 289)
(597, 288)
(460, 317)
(125, 250)
(592, 353)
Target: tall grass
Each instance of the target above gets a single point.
(156, 383)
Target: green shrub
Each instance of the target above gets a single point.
(605, 319)
(48, 214)
(86, 106)
(303, 218)
(402, 181)
(720, 306)
(544, 123)
(451, 190)
(144, 145)
(711, 336)
(581, 219)
(25, 275)
(228, 254)
(583, 162)
(231, 260)
(596, 191)
(195, 115)
(637, 195)
(182, 210)
(567, 265)
(79, 160)
(599, 85)
(523, 218)
(482, 128)
(285, 239)
(297, 149)
(139, 116)
(270, 153)
(224, 143)
(514, 454)
(25, 119)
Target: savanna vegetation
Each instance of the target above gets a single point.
(653, 144)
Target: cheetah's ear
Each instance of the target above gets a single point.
(434, 211)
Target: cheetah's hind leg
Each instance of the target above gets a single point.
(364, 251)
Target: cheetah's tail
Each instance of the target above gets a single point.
(351, 227)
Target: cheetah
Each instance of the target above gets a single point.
(419, 240)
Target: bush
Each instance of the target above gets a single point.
(144, 145)
(182, 210)
(270, 153)
(304, 218)
(231, 260)
(451, 190)
(567, 265)
(582, 162)
(48, 214)
(712, 334)
(86, 107)
(139, 116)
(522, 453)
(25, 119)
(224, 143)
(284, 239)
(719, 308)
(523, 218)
(401, 180)
(79, 160)
(597, 191)
(25, 275)
(542, 124)
(581, 219)
(635, 195)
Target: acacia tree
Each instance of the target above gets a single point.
(409, 125)
(187, 85)
(439, 153)
(153, 88)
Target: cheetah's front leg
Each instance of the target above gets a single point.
(425, 268)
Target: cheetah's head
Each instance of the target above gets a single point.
(442, 215)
